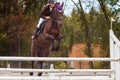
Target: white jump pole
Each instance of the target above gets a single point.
(54, 78)
(112, 64)
(55, 59)
(115, 53)
(117, 64)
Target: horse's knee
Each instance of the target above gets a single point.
(60, 36)
(51, 37)
(57, 48)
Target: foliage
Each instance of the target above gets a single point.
(17, 22)
(98, 23)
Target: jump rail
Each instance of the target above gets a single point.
(114, 53)
(95, 71)
(101, 74)
(55, 59)
(55, 78)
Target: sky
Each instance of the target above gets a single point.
(69, 5)
(85, 3)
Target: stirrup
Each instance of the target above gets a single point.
(32, 37)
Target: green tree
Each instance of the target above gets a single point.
(18, 19)
(96, 24)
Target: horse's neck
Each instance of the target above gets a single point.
(51, 25)
(53, 17)
(53, 14)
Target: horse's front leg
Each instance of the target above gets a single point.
(34, 50)
(52, 38)
(59, 41)
(58, 45)
(52, 42)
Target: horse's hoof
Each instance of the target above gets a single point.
(53, 49)
(39, 74)
(57, 48)
(31, 73)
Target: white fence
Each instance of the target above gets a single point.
(115, 53)
(70, 74)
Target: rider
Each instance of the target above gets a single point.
(45, 14)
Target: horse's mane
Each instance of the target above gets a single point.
(53, 14)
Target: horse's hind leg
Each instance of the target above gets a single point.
(34, 50)
(31, 73)
(40, 64)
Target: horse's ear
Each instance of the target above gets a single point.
(59, 6)
(62, 5)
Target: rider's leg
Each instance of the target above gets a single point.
(38, 27)
(39, 24)
(40, 21)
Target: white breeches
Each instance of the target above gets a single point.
(40, 21)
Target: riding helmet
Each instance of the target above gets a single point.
(51, 1)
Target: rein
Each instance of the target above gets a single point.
(55, 20)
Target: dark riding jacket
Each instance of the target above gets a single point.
(46, 12)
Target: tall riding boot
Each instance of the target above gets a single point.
(35, 34)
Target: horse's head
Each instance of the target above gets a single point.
(58, 13)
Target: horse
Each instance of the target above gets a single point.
(44, 43)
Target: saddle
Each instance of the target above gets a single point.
(39, 30)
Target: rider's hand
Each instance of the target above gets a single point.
(47, 17)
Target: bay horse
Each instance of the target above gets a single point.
(44, 43)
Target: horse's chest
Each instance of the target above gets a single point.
(54, 31)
